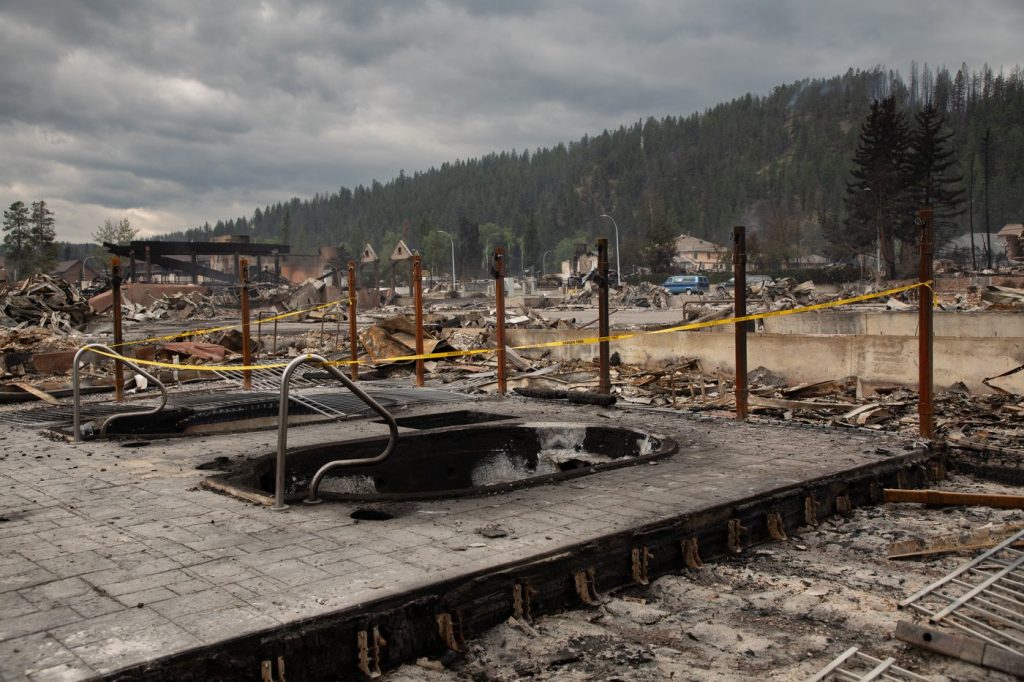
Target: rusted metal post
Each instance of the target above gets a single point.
(925, 382)
(352, 341)
(739, 270)
(243, 277)
(149, 266)
(337, 326)
(417, 288)
(115, 285)
(259, 332)
(604, 385)
(499, 325)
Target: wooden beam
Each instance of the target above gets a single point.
(959, 646)
(941, 497)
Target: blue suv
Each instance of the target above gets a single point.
(686, 284)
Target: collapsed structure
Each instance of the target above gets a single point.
(475, 524)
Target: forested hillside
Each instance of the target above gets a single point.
(778, 163)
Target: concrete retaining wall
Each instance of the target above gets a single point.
(980, 324)
(807, 358)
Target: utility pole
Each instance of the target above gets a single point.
(986, 144)
(970, 201)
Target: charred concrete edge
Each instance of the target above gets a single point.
(238, 481)
(435, 618)
(989, 464)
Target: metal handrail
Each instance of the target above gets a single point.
(282, 430)
(77, 391)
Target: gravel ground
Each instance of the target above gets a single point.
(780, 611)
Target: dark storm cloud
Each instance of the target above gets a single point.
(179, 112)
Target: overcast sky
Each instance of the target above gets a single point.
(174, 112)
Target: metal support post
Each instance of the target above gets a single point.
(926, 295)
(259, 332)
(149, 266)
(499, 299)
(739, 267)
(115, 284)
(417, 288)
(352, 339)
(604, 374)
(243, 277)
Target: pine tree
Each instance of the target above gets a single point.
(17, 240)
(933, 169)
(877, 197)
(43, 236)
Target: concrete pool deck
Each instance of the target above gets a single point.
(116, 559)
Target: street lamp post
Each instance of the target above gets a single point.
(618, 265)
(453, 258)
(543, 270)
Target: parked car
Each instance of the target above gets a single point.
(686, 284)
(727, 287)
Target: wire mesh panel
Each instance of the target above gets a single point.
(983, 598)
(854, 664)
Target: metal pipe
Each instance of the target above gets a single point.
(417, 283)
(925, 381)
(115, 289)
(739, 265)
(77, 391)
(337, 327)
(259, 332)
(604, 367)
(282, 430)
(499, 325)
(243, 277)
(618, 265)
(450, 238)
(353, 352)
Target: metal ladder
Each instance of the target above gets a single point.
(77, 392)
(282, 429)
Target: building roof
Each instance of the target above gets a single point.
(963, 241)
(686, 242)
(1011, 230)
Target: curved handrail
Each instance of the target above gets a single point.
(77, 391)
(282, 430)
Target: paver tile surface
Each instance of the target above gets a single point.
(113, 556)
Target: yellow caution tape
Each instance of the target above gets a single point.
(548, 344)
(210, 330)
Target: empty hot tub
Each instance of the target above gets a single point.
(449, 462)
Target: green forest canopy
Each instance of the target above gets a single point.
(757, 160)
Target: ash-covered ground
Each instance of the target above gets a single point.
(780, 611)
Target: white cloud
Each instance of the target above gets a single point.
(176, 113)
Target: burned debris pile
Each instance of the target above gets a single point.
(44, 301)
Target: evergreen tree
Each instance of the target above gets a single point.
(18, 241)
(468, 247)
(933, 169)
(43, 236)
(877, 196)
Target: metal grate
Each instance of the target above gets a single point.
(854, 664)
(983, 598)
